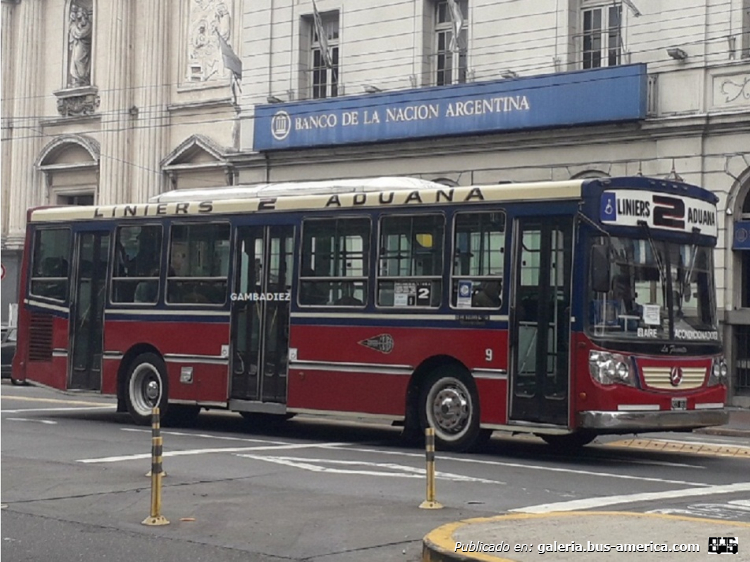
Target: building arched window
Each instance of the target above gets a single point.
(70, 165)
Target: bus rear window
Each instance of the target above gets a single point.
(49, 268)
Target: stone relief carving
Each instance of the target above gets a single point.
(80, 28)
(733, 90)
(82, 101)
(207, 19)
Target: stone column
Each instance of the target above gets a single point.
(7, 106)
(26, 136)
(113, 59)
(151, 101)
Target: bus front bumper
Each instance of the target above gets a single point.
(635, 422)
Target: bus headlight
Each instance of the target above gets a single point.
(719, 372)
(610, 368)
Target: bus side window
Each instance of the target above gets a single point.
(49, 270)
(335, 259)
(135, 277)
(478, 260)
(199, 264)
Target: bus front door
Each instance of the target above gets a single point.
(540, 320)
(87, 310)
(260, 313)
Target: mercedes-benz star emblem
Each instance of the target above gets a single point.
(675, 376)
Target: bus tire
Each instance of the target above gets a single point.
(570, 441)
(146, 387)
(449, 404)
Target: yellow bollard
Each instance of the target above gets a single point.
(429, 443)
(156, 473)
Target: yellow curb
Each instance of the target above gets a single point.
(674, 447)
(441, 543)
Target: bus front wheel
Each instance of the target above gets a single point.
(146, 387)
(449, 404)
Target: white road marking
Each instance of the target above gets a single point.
(55, 400)
(398, 470)
(32, 420)
(595, 503)
(538, 467)
(191, 452)
(75, 409)
(209, 436)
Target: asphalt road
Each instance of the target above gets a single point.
(74, 484)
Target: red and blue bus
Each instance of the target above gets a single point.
(563, 309)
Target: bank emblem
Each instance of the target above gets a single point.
(281, 125)
(675, 376)
(382, 343)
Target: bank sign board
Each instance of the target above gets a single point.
(601, 95)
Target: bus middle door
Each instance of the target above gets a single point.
(91, 259)
(540, 321)
(260, 313)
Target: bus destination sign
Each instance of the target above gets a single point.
(659, 211)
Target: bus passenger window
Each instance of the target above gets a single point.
(135, 277)
(49, 269)
(199, 264)
(478, 260)
(410, 261)
(335, 258)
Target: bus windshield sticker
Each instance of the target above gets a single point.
(651, 314)
(464, 293)
(412, 293)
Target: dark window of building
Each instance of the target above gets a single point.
(324, 53)
(451, 62)
(601, 35)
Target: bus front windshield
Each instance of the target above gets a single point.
(657, 290)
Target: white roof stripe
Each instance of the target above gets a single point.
(398, 197)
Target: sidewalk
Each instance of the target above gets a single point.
(576, 536)
(738, 426)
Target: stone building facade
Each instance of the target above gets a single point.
(120, 100)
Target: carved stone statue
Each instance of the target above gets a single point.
(208, 19)
(80, 29)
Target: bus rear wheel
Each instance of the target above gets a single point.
(569, 442)
(146, 387)
(449, 404)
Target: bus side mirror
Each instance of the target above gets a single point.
(600, 281)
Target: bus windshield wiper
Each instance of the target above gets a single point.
(657, 258)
